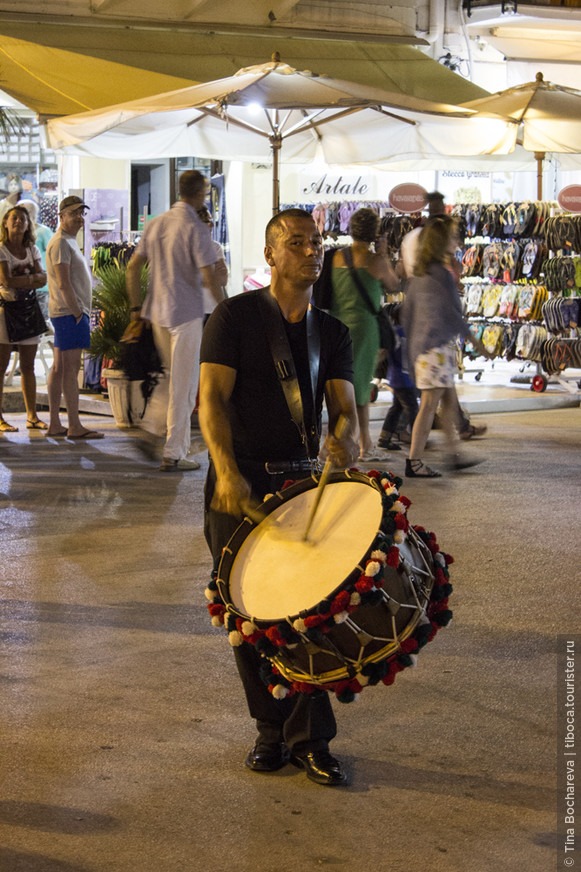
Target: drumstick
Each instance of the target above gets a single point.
(339, 432)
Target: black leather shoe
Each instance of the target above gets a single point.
(268, 758)
(320, 767)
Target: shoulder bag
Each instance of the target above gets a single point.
(386, 335)
(23, 317)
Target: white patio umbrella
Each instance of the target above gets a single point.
(260, 107)
(547, 117)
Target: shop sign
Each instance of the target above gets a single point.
(569, 198)
(408, 198)
(336, 185)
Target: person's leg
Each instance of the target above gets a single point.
(429, 400)
(450, 407)
(71, 364)
(5, 352)
(391, 420)
(55, 390)
(365, 441)
(28, 379)
(409, 401)
(183, 385)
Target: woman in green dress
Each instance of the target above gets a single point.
(373, 268)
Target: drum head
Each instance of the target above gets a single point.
(276, 574)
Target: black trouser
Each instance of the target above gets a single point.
(305, 721)
(403, 398)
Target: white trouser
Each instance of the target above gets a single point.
(171, 405)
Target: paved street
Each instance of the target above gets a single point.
(124, 729)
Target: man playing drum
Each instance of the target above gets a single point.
(256, 444)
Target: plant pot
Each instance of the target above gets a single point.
(125, 398)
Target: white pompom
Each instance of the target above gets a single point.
(399, 537)
(340, 617)
(279, 691)
(216, 622)
(379, 555)
(299, 625)
(414, 659)
(355, 598)
(398, 507)
(248, 628)
(439, 559)
(235, 638)
(372, 568)
(363, 680)
(211, 595)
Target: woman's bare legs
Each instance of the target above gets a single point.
(5, 352)
(429, 400)
(365, 441)
(28, 379)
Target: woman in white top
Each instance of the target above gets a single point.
(20, 272)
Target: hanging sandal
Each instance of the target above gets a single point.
(5, 427)
(417, 469)
(36, 425)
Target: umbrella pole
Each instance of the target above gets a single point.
(539, 156)
(275, 144)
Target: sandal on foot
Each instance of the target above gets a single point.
(36, 425)
(5, 427)
(417, 469)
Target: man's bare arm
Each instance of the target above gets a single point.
(340, 401)
(63, 277)
(211, 281)
(232, 492)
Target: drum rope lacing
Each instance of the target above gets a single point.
(416, 584)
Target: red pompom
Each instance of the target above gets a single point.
(340, 602)
(364, 584)
(401, 522)
(408, 646)
(314, 620)
(216, 609)
(392, 557)
(275, 637)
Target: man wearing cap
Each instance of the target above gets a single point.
(69, 306)
(181, 257)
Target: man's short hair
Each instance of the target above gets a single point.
(274, 227)
(191, 182)
(435, 203)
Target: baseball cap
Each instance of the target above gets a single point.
(71, 201)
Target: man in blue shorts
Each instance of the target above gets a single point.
(69, 306)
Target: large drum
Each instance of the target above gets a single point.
(348, 607)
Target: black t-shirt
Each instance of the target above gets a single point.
(262, 427)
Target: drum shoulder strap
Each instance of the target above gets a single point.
(284, 362)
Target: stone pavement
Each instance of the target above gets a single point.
(124, 729)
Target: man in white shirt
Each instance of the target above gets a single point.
(69, 306)
(178, 249)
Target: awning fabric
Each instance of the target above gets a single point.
(53, 81)
(197, 57)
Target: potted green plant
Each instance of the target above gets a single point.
(110, 297)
